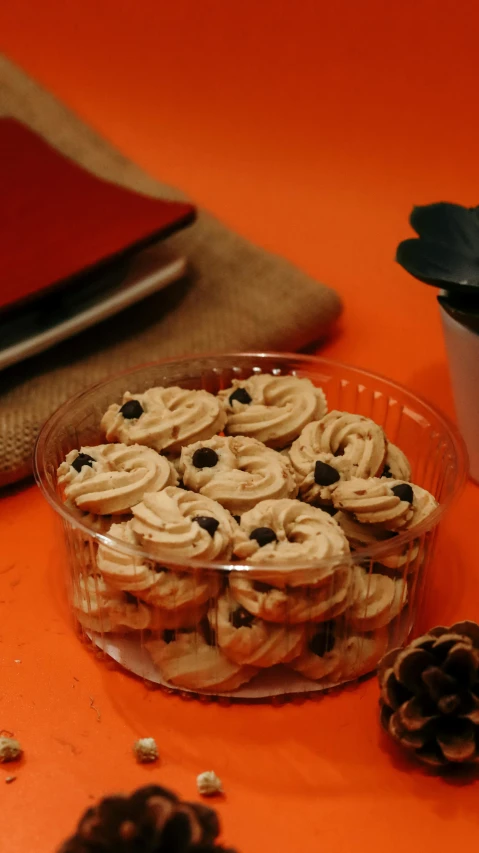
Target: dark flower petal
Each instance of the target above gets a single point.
(438, 264)
(452, 224)
(456, 739)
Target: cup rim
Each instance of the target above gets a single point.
(450, 318)
(372, 552)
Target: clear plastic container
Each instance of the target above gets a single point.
(325, 638)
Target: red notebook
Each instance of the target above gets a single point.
(58, 221)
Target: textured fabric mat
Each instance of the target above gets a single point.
(235, 296)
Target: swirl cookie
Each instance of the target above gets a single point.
(178, 596)
(359, 440)
(96, 524)
(122, 570)
(292, 605)
(317, 472)
(250, 641)
(110, 478)
(397, 464)
(186, 659)
(423, 505)
(339, 446)
(331, 655)
(382, 502)
(176, 524)
(236, 471)
(164, 418)
(272, 409)
(100, 523)
(376, 600)
(365, 535)
(100, 608)
(294, 534)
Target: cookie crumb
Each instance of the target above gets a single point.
(145, 750)
(10, 779)
(208, 783)
(10, 749)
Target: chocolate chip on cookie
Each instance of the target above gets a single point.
(207, 523)
(324, 474)
(404, 492)
(240, 618)
(323, 642)
(331, 510)
(208, 632)
(169, 636)
(259, 586)
(263, 536)
(240, 396)
(131, 410)
(82, 460)
(205, 457)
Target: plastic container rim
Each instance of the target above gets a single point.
(372, 552)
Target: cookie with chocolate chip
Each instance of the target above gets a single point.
(249, 640)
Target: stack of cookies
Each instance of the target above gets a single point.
(235, 518)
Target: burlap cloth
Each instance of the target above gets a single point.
(235, 296)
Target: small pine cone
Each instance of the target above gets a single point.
(430, 695)
(151, 820)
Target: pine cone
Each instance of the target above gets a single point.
(151, 820)
(430, 695)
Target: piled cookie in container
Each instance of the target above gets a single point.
(262, 481)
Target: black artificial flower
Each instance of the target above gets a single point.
(446, 251)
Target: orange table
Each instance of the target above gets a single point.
(312, 132)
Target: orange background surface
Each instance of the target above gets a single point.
(312, 130)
